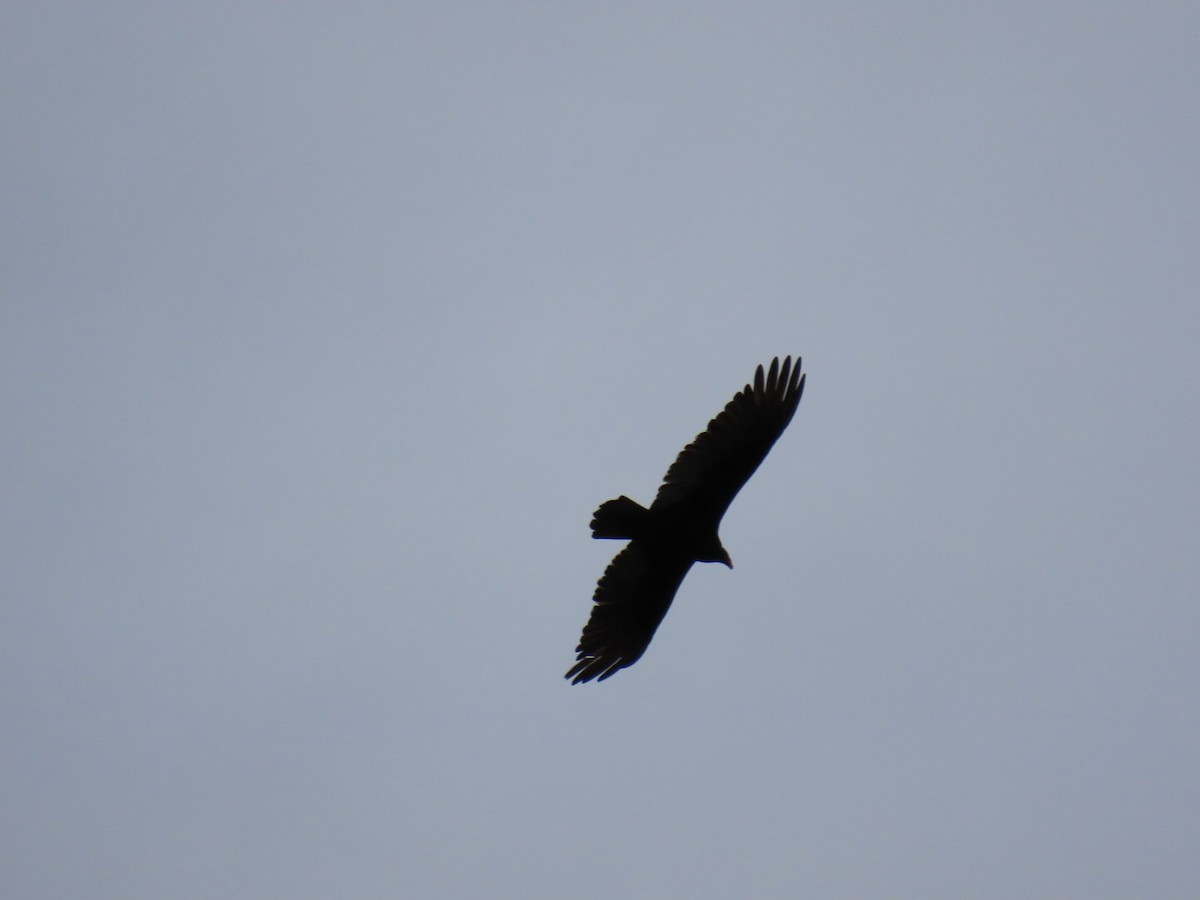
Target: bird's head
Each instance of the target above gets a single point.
(717, 553)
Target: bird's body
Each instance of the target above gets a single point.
(680, 526)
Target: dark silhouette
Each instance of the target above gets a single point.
(680, 527)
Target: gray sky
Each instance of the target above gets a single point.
(325, 329)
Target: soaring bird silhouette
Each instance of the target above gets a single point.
(680, 526)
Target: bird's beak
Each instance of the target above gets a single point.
(725, 559)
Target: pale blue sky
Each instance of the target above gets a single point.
(325, 329)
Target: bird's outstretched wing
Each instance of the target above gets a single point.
(712, 468)
(631, 599)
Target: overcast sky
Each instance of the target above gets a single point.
(325, 327)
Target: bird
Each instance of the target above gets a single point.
(681, 526)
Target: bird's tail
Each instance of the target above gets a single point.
(620, 518)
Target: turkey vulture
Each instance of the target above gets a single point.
(680, 527)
